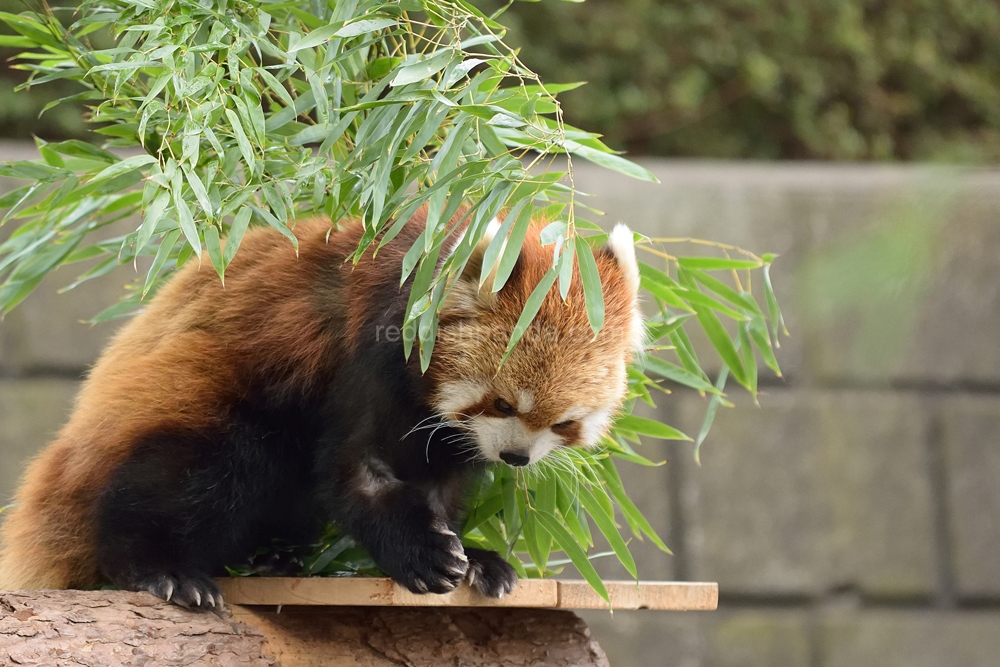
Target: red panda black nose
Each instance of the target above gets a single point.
(514, 459)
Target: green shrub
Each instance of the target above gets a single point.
(826, 79)
(257, 113)
(822, 79)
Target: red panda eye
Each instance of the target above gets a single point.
(561, 426)
(504, 407)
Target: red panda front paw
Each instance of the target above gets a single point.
(193, 592)
(438, 565)
(490, 574)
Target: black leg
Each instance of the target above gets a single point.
(407, 540)
(184, 505)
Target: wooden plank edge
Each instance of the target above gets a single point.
(535, 593)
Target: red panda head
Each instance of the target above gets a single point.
(561, 385)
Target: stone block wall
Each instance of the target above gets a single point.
(853, 517)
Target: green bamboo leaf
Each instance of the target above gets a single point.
(703, 302)
(486, 509)
(214, 248)
(423, 69)
(123, 167)
(152, 217)
(200, 193)
(676, 373)
(774, 313)
(606, 524)
(758, 331)
(14, 41)
(162, 253)
(531, 308)
(631, 513)
(592, 291)
(725, 291)
(186, 221)
(316, 37)
(749, 360)
(713, 407)
(567, 260)
(644, 426)
(242, 141)
(569, 509)
(102, 268)
(513, 248)
(610, 161)
(530, 533)
(275, 86)
(717, 263)
(662, 286)
(512, 515)
(564, 539)
(365, 25)
(545, 501)
(235, 236)
(723, 345)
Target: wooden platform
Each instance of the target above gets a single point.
(537, 593)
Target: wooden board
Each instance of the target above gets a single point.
(537, 593)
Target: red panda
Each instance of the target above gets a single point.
(224, 416)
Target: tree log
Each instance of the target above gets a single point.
(111, 628)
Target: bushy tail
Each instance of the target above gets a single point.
(45, 540)
(25, 561)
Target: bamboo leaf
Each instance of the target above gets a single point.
(123, 167)
(235, 236)
(365, 25)
(214, 248)
(592, 291)
(644, 426)
(564, 539)
(531, 308)
(512, 249)
(606, 523)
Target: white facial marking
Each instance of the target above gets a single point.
(453, 397)
(525, 401)
(594, 426)
(495, 435)
(573, 414)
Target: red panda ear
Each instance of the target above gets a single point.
(468, 297)
(621, 244)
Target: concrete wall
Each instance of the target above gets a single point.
(853, 518)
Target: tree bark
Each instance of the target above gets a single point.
(111, 628)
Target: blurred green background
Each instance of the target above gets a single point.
(761, 79)
(851, 519)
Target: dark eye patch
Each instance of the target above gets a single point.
(562, 426)
(504, 407)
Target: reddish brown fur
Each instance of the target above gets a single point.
(179, 364)
(559, 360)
(191, 354)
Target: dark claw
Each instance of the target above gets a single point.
(490, 574)
(190, 591)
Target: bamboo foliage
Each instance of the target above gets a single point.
(218, 115)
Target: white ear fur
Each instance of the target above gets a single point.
(491, 231)
(622, 245)
(467, 296)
